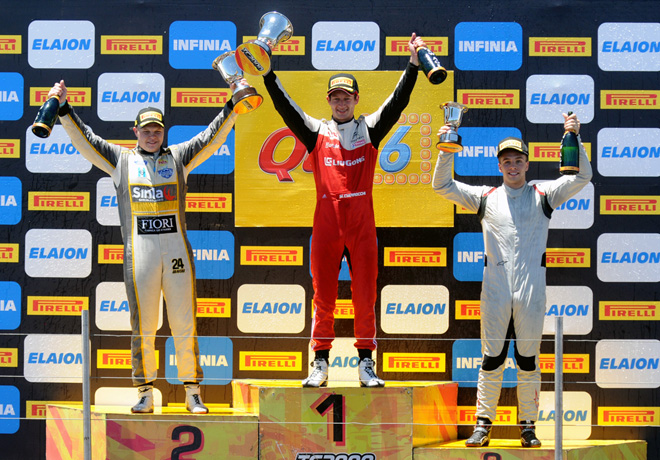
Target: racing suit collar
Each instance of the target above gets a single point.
(514, 192)
(339, 123)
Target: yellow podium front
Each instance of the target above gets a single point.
(365, 423)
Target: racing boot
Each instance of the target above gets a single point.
(528, 434)
(145, 404)
(481, 435)
(318, 377)
(368, 377)
(194, 402)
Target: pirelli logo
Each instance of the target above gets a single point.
(8, 357)
(550, 151)
(398, 46)
(10, 148)
(271, 255)
(80, 97)
(573, 363)
(58, 201)
(213, 308)
(343, 309)
(630, 204)
(568, 257)
(11, 44)
(37, 409)
(628, 311)
(294, 46)
(9, 253)
(116, 359)
(271, 361)
(111, 254)
(208, 202)
(200, 97)
(637, 100)
(629, 416)
(131, 44)
(505, 415)
(468, 309)
(415, 257)
(126, 143)
(560, 46)
(489, 98)
(414, 362)
(462, 210)
(56, 306)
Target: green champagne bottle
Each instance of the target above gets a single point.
(570, 154)
(46, 117)
(430, 65)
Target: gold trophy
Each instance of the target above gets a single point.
(254, 55)
(245, 97)
(451, 141)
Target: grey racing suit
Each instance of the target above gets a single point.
(513, 295)
(151, 195)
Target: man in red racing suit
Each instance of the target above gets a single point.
(343, 153)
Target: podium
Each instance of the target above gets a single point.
(509, 449)
(366, 423)
(168, 433)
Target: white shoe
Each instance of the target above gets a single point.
(194, 402)
(145, 404)
(368, 377)
(318, 377)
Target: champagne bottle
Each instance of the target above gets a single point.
(430, 65)
(46, 117)
(570, 153)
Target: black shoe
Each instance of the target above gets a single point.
(481, 435)
(528, 434)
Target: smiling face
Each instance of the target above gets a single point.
(342, 105)
(150, 137)
(513, 165)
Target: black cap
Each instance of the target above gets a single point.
(512, 143)
(149, 115)
(343, 81)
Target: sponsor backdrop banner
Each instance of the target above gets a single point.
(517, 66)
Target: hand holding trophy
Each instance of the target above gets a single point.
(451, 140)
(254, 55)
(245, 97)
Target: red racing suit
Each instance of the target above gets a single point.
(343, 159)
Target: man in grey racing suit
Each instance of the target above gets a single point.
(514, 219)
(151, 185)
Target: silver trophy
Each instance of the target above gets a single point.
(245, 97)
(451, 141)
(253, 56)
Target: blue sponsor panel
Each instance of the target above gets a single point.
(488, 46)
(10, 305)
(11, 96)
(344, 271)
(10, 409)
(469, 257)
(222, 160)
(11, 200)
(466, 362)
(479, 154)
(216, 357)
(196, 44)
(214, 254)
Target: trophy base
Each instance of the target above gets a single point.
(569, 170)
(253, 57)
(437, 75)
(41, 130)
(246, 100)
(450, 142)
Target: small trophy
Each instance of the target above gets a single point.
(46, 117)
(245, 97)
(254, 55)
(451, 141)
(430, 65)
